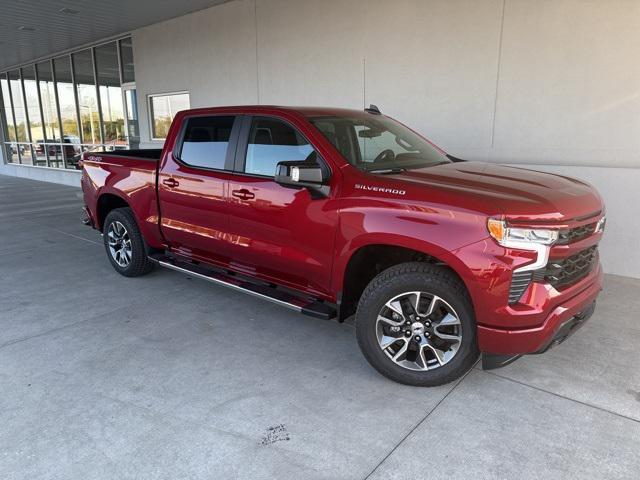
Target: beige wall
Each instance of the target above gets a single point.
(545, 81)
(552, 83)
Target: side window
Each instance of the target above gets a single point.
(205, 141)
(272, 141)
(342, 136)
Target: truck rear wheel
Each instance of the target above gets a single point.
(415, 325)
(124, 244)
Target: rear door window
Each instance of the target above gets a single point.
(205, 142)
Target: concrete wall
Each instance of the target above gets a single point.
(53, 175)
(544, 82)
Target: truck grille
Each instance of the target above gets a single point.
(571, 235)
(560, 273)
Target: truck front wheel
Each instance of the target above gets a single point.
(415, 325)
(124, 244)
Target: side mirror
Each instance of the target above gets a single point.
(302, 174)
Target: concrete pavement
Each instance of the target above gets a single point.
(167, 377)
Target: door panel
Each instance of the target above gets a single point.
(277, 232)
(282, 233)
(193, 185)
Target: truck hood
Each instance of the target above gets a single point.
(516, 193)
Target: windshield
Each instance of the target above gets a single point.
(375, 143)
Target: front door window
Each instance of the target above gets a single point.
(272, 141)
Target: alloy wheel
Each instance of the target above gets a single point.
(419, 331)
(119, 244)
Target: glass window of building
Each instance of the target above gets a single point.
(18, 106)
(70, 140)
(131, 106)
(20, 115)
(162, 109)
(48, 98)
(87, 97)
(50, 116)
(6, 109)
(110, 94)
(6, 113)
(33, 105)
(64, 85)
(54, 110)
(33, 114)
(129, 88)
(126, 50)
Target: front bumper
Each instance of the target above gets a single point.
(566, 329)
(509, 344)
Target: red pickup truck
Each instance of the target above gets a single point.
(334, 212)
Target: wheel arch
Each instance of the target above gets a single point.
(107, 202)
(368, 259)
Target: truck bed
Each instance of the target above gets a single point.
(126, 177)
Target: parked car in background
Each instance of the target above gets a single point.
(335, 212)
(15, 148)
(70, 147)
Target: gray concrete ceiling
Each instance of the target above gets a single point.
(31, 29)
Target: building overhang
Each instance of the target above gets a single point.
(33, 29)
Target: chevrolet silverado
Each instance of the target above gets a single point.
(337, 212)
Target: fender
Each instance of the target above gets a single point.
(394, 240)
(436, 232)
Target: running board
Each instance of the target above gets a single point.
(308, 306)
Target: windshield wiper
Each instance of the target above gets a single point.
(385, 171)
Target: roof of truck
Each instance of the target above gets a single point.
(321, 111)
(307, 111)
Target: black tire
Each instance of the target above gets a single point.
(139, 263)
(422, 277)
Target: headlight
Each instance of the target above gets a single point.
(537, 240)
(519, 237)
